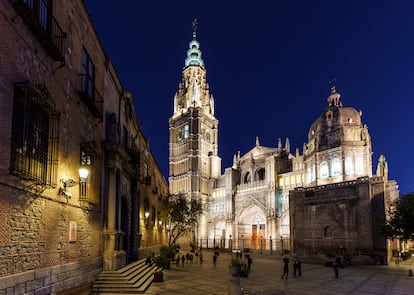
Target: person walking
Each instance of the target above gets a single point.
(214, 259)
(295, 267)
(299, 267)
(183, 260)
(285, 268)
(335, 266)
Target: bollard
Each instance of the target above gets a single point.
(410, 273)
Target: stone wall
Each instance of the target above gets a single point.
(49, 241)
(51, 280)
(338, 220)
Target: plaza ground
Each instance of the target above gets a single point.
(265, 278)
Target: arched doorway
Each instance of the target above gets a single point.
(252, 228)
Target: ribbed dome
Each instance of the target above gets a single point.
(336, 117)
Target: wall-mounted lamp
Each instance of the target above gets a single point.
(146, 214)
(83, 175)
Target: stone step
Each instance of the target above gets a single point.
(134, 278)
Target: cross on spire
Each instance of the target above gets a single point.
(195, 27)
(332, 83)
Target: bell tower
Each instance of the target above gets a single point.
(193, 130)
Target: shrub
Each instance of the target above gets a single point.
(167, 251)
(162, 261)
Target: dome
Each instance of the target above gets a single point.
(336, 117)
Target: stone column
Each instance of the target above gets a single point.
(113, 258)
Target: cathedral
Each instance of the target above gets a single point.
(323, 198)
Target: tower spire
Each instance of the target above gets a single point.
(194, 53)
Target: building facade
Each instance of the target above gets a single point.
(256, 202)
(65, 112)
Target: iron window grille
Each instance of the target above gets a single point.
(34, 146)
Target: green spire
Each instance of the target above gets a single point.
(194, 53)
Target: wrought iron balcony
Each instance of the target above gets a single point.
(133, 153)
(92, 99)
(38, 16)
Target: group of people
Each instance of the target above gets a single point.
(297, 268)
(189, 257)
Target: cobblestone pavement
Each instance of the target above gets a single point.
(265, 278)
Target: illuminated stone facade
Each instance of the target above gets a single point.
(249, 204)
(193, 151)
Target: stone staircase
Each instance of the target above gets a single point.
(133, 278)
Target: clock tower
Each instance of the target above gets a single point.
(193, 130)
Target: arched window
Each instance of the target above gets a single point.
(359, 166)
(308, 175)
(349, 166)
(247, 178)
(313, 172)
(186, 131)
(327, 232)
(336, 167)
(324, 173)
(260, 174)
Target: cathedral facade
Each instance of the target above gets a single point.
(250, 204)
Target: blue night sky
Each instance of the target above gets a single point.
(269, 64)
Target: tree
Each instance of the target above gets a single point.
(401, 222)
(181, 214)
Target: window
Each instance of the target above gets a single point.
(349, 167)
(313, 172)
(86, 161)
(88, 77)
(38, 15)
(42, 11)
(327, 232)
(324, 169)
(308, 175)
(260, 174)
(125, 138)
(186, 131)
(247, 178)
(359, 166)
(336, 167)
(34, 135)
